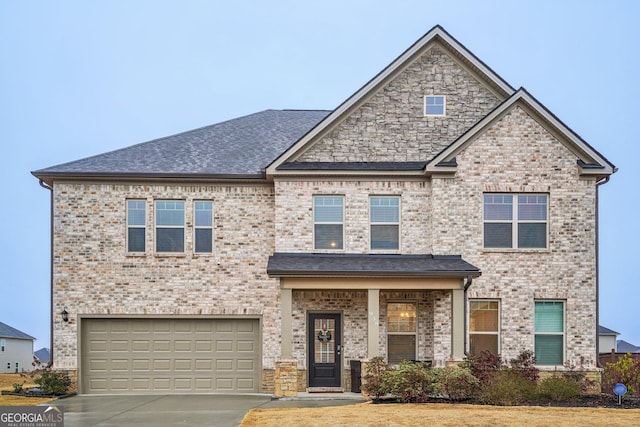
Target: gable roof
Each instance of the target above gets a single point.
(590, 161)
(625, 347)
(606, 331)
(237, 148)
(7, 331)
(436, 35)
(369, 265)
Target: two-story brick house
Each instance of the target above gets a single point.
(436, 211)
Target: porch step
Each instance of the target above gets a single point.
(325, 390)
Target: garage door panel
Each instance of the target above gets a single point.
(170, 355)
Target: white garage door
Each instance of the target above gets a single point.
(170, 355)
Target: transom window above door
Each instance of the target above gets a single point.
(328, 222)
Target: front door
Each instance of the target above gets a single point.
(325, 348)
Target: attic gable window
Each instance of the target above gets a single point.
(435, 105)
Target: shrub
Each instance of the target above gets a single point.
(525, 366)
(374, 379)
(53, 382)
(412, 382)
(458, 383)
(18, 388)
(625, 370)
(561, 388)
(484, 366)
(508, 388)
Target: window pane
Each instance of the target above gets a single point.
(204, 241)
(479, 343)
(135, 240)
(434, 105)
(549, 316)
(136, 212)
(385, 209)
(170, 213)
(401, 317)
(532, 208)
(401, 347)
(549, 349)
(384, 237)
(532, 235)
(483, 316)
(327, 209)
(497, 235)
(203, 214)
(498, 207)
(169, 240)
(328, 236)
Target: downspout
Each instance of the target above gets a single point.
(598, 184)
(467, 284)
(48, 187)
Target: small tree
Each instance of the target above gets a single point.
(625, 370)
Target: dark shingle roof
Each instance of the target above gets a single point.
(7, 331)
(310, 264)
(606, 331)
(237, 148)
(625, 347)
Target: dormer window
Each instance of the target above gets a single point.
(435, 105)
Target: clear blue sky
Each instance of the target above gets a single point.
(79, 78)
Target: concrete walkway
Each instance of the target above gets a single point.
(183, 410)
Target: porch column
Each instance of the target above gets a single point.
(286, 324)
(373, 324)
(457, 324)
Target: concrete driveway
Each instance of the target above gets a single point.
(175, 410)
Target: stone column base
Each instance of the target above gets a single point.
(286, 378)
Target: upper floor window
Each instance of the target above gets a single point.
(169, 226)
(435, 105)
(484, 326)
(203, 226)
(401, 331)
(515, 221)
(2, 345)
(385, 222)
(136, 225)
(549, 332)
(328, 222)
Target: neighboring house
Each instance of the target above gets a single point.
(625, 347)
(44, 356)
(16, 350)
(436, 211)
(607, 340)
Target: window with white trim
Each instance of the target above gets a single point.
(136, 225)
(435, 105)
(515, 221)
(401, 331)
(203, 226)
(384, 216)
(3, 343)
(549, 333)
(328, 222)
(169, 216)
(484, 326)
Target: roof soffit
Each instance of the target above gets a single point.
(590, 161)
(436, 36)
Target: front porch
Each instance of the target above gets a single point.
(331, 318)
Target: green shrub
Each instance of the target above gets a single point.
(558, 388)
(53, 382)
(508, 388)
(18, 388)
(525, 366)
(374, 382)
(457, 383)
(625, 370)
(411, 382)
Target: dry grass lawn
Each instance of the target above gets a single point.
(441, 415)
(6, 383)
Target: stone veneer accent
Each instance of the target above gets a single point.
(391, 126)
(286, 378)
